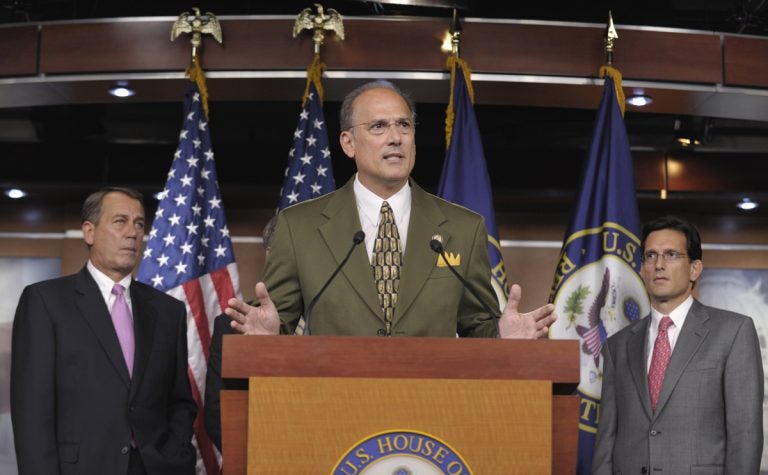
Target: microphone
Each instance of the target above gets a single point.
(437, 246)
(358, 237)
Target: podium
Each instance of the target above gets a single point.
(503, 406)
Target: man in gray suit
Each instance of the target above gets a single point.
(682, 388)
(409, 291)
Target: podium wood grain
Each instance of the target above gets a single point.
(420, 358)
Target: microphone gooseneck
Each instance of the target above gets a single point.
(357, 238)
(437, 247)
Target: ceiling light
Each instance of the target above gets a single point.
(687, 141)
(747, 204)
(15, 193)
(121, 90)
(639, 99)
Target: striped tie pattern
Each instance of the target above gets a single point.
(661, 354)
(386, 261)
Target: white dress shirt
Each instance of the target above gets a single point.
(105, 284)
(678, 318)
(369, 210)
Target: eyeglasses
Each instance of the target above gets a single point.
(669, 256)
(379, 127)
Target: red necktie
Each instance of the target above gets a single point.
(661, 353)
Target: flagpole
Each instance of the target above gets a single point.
(464, 179)
(189, 253)
(597, 289)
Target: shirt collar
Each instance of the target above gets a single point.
(677, 315)
(369, 203)
(105, 283)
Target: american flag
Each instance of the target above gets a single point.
(309, 173)
(189, 253)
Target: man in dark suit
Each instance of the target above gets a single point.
(682, 388)
(395, 285)
(99, 379)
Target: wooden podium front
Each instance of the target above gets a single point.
(312, 399)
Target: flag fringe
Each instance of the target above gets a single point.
(615, 74)
(314, 76)
(451, 64)
(196, 74)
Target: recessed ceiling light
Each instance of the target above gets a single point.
(747, 204)
(639, 98)
(122, 90)
(15, 193)
(688, 142)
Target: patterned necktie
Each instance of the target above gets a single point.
(661, 353)
(121, 318)
(386, 261)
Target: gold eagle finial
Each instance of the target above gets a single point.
(333, 21)
(198, 25)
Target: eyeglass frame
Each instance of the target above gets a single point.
(670, 255)
(389, 123)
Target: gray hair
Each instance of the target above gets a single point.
(92, 206)
(347, 109)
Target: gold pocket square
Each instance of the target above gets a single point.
(453, 259)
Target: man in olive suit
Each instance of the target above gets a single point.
(394, 284)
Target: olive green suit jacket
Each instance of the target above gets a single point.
(312, 238)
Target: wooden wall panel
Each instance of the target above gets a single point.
(18, 54)
(745, 63)
(529, 265)
(669, 56)
(111, 46)
(383, 44)
(256, 44)
(532, 49)
(578, 51)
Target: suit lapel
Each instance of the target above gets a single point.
(637, 357)
(144, 318)
(343, 222)
(693, 333)
(419, 261)
(94, 311)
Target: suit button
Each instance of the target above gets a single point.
(381, 332)
(130, 408)
(655, 432)
(124, 450)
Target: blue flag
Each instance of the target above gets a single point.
(597, 289)
(188, 253)
(309, 173)
(465, 180)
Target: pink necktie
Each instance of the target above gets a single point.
(661, 353)
(121, 318)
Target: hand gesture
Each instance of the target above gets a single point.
(250, 320)
(531, 325)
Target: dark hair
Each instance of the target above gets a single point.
(347, 110)
(268, 232)
(692, 238)
(92, 206)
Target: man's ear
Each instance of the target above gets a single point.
(88, 231)
(697, 267)
(347, 143)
